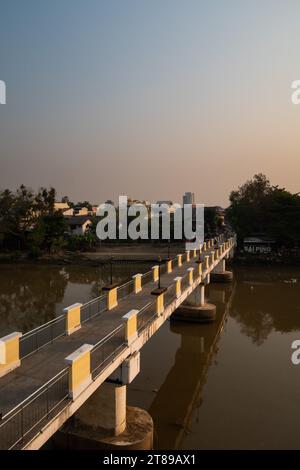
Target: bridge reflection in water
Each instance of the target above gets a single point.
(180, 395)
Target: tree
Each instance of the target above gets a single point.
(22, 214)
(17, 213)
(257, 207)
(49, 232)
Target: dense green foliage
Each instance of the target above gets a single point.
(28, 220)
(258, 208)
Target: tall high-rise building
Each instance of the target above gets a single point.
(188, 198)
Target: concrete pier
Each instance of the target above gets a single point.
(105, 422)
(220, 274)
(195, 308)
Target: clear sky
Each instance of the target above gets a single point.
(149, 98)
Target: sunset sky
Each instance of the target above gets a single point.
(149, 98)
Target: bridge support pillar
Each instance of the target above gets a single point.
(105, 409)
(219, 273)
(105, 422)
(195, 308)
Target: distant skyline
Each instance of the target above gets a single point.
(149, 98)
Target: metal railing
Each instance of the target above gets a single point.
(22, 423)
(107, 349)
(125, 289)
(92, 308)
(170, 295)
(42, 335)
(185, 282)
(35, 339)
(146, 315)
(163, 268)
(147, 277)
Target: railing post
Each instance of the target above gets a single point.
(187, 255)
(159, 293)
(137, 283)
(73, 320)
(160, 304)
(179, 260)
(80, 376)
(195, 253)
(178, 286)
(130, 320)
(169, 266)
(206, 262)
(191, 271)
(9, 352)
(155, 273)
(204, 246)
(112, 296)
(199, 268)
(212, 257)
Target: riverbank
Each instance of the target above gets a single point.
(136, 254)
(117, 255)
(273, 259)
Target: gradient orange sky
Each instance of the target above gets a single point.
(149, 98)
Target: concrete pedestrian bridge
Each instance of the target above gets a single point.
(80, 363)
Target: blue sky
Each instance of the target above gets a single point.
(148, 98)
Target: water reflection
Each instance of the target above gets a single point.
(267, 300)
(180, 395)
(31, 295)
(194, 403)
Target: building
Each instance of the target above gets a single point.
(61, 206)
(78, 225)
(67, 212)
(258, 245)
(188, 198)
(109, 201)
(79, 210)
(168, 203)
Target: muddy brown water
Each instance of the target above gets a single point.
(229, 384)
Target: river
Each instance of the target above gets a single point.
(229, 384)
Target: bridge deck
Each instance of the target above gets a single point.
(38, 368)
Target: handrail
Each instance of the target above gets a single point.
(42, 327)
(30, 332)
(37, 392)
(62, 394)
(56, 320)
